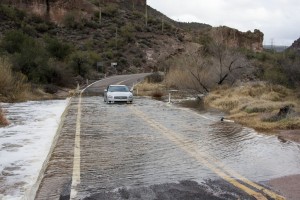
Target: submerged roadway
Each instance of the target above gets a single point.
(153, 150)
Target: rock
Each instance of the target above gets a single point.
(284, 111)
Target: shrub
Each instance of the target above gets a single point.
(276, 76)
(57, 49)
(32, 61)
(14, 85)
(29, 30)
(72, 20)
(13, 41)
(79, 63)
(228, 104)
(59, 74)
(3, 120)
(155, 77)
(42, 27)
(127, 32)
(111, 10)
(255, 109)
(11, 12)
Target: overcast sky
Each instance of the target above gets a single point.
(279, 20)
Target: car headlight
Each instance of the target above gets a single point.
(130, 96)
(110, 96)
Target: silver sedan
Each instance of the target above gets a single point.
(118, 93)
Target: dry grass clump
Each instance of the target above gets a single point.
(252, 104)
(149, 89)
(14, 86)
(3, 120)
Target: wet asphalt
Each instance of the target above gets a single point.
(152, 150)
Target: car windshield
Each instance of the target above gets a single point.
(118, 89)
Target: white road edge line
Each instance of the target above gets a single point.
(76, 160)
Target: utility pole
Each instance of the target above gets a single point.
(100, 13)
(133, 5)
(116, 37)
(162, 24)
(146, 14)
(272, 43)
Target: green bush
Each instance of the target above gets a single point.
(11, 12)
(29, 30)
(12, 41)
(79, 63)
(59, 74)
(57, 49)
(42, 27)
(72, 20)
(127, 32)
(110, 10)
(276, 76)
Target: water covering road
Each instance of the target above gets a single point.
(153, 150)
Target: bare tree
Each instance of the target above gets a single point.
(190, 72)
(229, 63)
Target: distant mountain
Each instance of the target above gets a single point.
(276, 48)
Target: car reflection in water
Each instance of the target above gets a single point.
(118, 93)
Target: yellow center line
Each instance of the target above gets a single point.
(212, 163)
(240, 177)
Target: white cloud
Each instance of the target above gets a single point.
(277, 19)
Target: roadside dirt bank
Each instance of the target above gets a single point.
(288, 186)
(293, 135)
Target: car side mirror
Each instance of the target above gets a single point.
(131, 90)
(105, 90)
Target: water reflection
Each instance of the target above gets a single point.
(255, 155)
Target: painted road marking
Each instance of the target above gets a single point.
(76, 159)
(235, 174)
(213, 164)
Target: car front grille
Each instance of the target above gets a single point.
(120, 97)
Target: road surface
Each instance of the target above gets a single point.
(153, 150)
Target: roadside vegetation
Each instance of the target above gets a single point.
(257, 89)
(258, 105)
(64, 51)
(3, 120)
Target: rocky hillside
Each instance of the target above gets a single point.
(296, 45)
(118, 31)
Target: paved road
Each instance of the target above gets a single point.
(150, 150)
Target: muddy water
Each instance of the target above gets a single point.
(119, 148)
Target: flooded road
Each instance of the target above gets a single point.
(154, 150)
